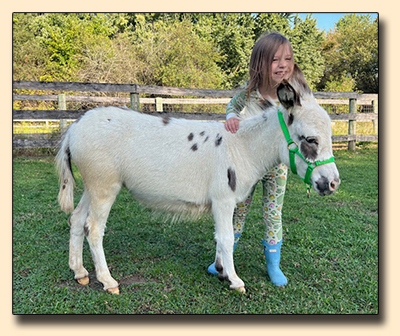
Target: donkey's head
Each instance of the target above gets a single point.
(308, 146)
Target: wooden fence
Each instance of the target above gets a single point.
(161, 99)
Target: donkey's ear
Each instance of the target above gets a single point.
(287, 95)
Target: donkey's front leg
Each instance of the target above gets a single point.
(223, 213)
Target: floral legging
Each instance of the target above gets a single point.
(274, 186)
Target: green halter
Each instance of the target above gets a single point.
(293, 148)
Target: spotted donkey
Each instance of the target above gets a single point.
(183, 166)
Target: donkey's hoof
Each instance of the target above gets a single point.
(241, 290)
(83, 281)
(114, 290)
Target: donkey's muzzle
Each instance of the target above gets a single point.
(326, 187)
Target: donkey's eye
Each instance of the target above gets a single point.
(312, 140)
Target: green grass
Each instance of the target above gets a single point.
(342, 128)
(330, 252)
(37, 126)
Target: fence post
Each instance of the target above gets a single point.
(62, 106)
(135, 101)
(375, 122)
(352, 123)
(159, 104)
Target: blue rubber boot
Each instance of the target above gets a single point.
(273, 257)
(211, 268)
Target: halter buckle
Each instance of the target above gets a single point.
(308, 190)
(293, 149)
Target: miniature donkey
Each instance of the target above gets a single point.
(183, 166)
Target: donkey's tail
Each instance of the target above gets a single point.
(67, 181)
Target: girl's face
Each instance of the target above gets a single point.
(282, 64)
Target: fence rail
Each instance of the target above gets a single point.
(136, 100)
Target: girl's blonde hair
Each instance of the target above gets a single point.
(261, 59)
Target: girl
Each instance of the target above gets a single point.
(271, 61)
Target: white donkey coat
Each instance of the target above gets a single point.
(175, 165)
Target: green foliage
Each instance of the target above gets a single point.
(269, 22)
(233, 37)
(344, 83)
(353, 47)
(171, 54)
(60, 38)
(199, 50)
(307, 41)
(29, 58)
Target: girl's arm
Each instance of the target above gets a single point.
(233, 109)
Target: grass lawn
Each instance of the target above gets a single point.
(330, 252)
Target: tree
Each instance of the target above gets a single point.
(29, 59)
(344, 83)
(233, 37)
(306, 40)
(170, 53)
(107, 60)
(269, 22)
(352, 47)
(229, 35)
(208, 50)
(58, 39)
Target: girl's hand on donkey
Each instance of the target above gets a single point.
(232, 125)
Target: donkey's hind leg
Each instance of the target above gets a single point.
(77, 223)
(99, 209)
